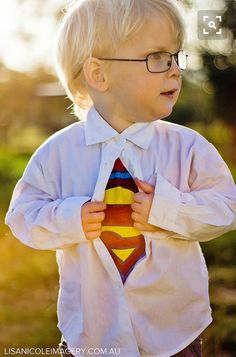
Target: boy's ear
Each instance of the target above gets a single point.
(95, 75)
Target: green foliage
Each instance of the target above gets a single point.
(221, 251)
(222, 75)
(216, 132)
(11, 168)
(220, 69)
(220, 336)
(193, 106)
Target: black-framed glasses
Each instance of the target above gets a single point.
(158, 62)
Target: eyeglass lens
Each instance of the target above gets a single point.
(161, 61)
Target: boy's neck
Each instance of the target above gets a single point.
(113, 119)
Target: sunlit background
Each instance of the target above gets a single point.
(28, 30)
(33, 106)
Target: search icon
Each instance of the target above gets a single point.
(212, 24)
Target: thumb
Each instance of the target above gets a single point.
(144, 186)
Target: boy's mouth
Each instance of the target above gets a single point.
(169, 93)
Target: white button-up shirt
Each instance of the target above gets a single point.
(164, 304)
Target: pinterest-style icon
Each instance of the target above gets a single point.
(210, 25)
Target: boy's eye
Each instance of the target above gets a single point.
(156, 55)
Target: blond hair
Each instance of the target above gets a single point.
(97, 28)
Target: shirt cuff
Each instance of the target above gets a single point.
(165, 205)
(69, 218)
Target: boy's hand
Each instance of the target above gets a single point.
(92, 216)
(142, 205)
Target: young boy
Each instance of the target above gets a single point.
(125, 197)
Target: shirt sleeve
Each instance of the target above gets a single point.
(204, 213)
(40, 220)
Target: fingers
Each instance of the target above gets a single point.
(146, 227)
(95, 217)
(93, 227)
(139, 226)
(92, 231)
(136, 207)
(140, 222)
(144, 186)
(93, 235)
(139, 197)
(94, 206)
(93, 212)
(137, 217)
(92, 215)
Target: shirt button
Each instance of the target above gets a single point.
(122, 142)
(121, 291)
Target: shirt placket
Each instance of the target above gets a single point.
(132, 163)
(110, 152)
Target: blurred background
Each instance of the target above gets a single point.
(33, 106)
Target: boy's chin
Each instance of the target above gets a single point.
(164, 114)
(153, 116)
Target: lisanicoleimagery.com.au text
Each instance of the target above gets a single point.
(48, 351)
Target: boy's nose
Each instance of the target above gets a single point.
(174, 69)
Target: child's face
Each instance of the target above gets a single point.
(136, 94)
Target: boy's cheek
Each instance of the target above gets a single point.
(180, 83)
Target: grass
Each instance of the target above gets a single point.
(28, 294)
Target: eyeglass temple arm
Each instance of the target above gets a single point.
(123, 59)
(115, 59)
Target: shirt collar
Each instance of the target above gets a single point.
(97, 130)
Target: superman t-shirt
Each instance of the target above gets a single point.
(124, 242)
